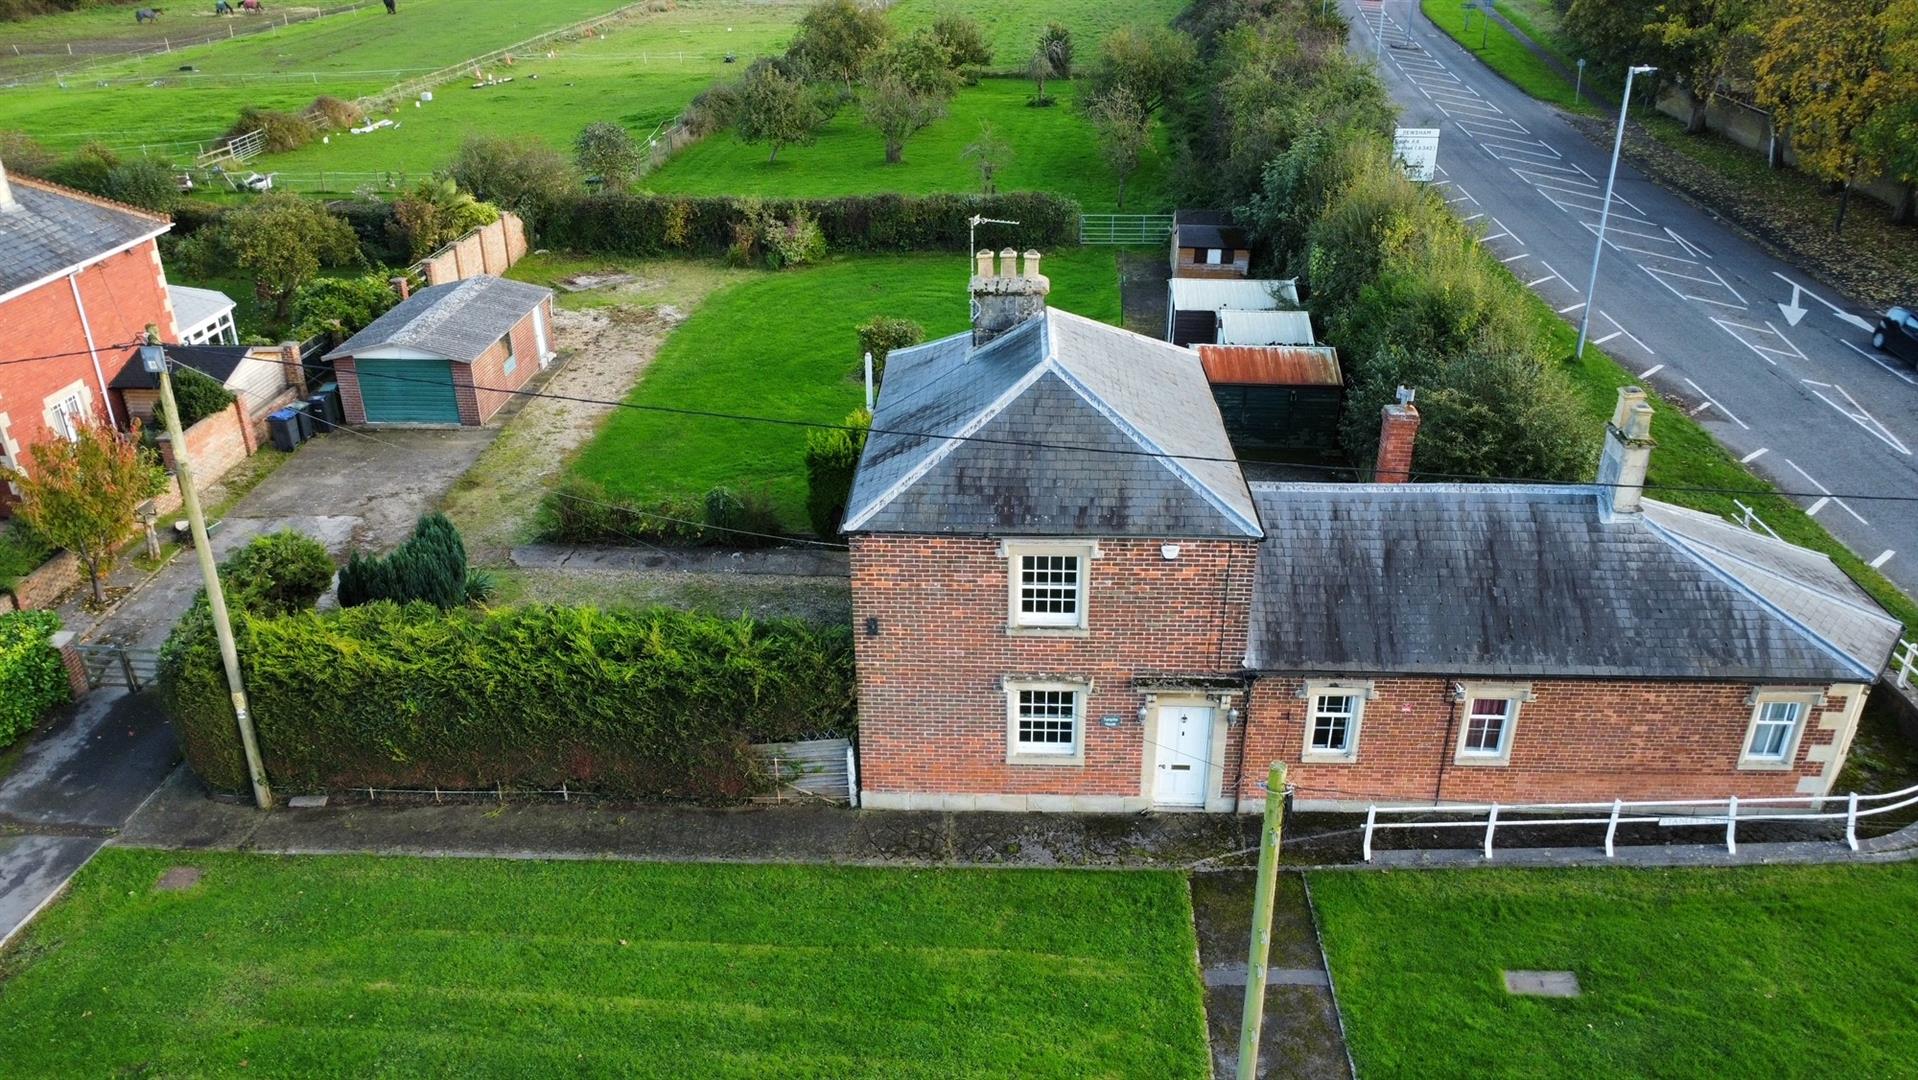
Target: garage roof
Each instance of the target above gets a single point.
(1242, 294)
(1265, 328)
(1271, 365)
(458, 320)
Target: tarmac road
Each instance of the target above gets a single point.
(1775, 364)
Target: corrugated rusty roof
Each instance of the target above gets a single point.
(1271, 365)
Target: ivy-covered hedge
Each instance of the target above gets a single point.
(643, 704)
(616, 223)
(32, 679)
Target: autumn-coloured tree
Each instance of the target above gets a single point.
(1823, 76)
(1893, 130)
(81, 493)
(1693, 42)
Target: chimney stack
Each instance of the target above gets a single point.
(1004, 297)
(1628, 452)
(8, 204)
(1398, 428)
(402, 286)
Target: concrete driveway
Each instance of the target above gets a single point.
(86, 773)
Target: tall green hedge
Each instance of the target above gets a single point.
(644, 704)
(32, 679)
(616, 223)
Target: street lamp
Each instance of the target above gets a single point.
(1605, 211)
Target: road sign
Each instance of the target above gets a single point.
(1417, 150)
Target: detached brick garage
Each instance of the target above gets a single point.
(447, 355)
(1067, 597)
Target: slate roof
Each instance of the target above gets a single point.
(458, 320)
(215, 361)
(1270, 365)
(1466, 580)
(1265, 328)
(1241, 294)
(56, 229)
(1102, 402)
(194, 308)
(1209, 236)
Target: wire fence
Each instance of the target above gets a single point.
(95, 53)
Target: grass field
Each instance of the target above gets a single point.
(150, 101)
(1054, 149)
(783, 345)
(1505, 54)
(1766, 971)
(355, 966)
(1012, 28)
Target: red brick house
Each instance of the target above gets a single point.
(1066, 596)
(447, 355)
(80, 280)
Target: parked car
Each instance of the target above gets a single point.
(1897, 334)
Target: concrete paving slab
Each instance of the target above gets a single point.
(1300, 1034)
(32, 870)
(1556, 984)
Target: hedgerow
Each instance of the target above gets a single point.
(616, 223)
(32, 679)
(641, 704)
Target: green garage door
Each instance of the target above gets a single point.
(407, 391)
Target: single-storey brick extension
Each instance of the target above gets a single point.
(446, 355)
(1067, 596)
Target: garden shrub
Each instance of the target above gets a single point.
(341, 306)
(832, 457)
(277, 574)
(26, 155)
(430, 567)
(282, 130)
(645, 704)
(580, 511)
(793, 242)
(648, 226)
(198, 397)
(881, 334)
(32, 678)
(336, 114)
(21, 552)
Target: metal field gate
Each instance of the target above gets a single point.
(816, 770)
(1124, 228)
(120, 665)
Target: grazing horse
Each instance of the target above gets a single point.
(147, 15)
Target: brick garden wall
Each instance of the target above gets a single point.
(488, 249)
(931, 706)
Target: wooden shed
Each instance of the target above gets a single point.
(1205, 244)
(1277, 397)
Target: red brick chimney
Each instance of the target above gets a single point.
(402, 286)
(1398, 428)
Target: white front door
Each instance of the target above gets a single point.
(1184, 750)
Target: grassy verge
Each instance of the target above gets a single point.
(784, 345)
(1765, 971)
(1505, 54)
(352, 966)
(1688, 457)
(1055, 149)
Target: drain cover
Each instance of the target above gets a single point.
(1563, 984)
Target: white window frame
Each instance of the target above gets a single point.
(1018, 620)
(1514, 698)
(64, 407)
(1805, 701)
(511, 363)
(1023, 753)
(1313, 692)
(1215, 256)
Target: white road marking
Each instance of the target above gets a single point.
(1713, 402)
(1825, 491)
(1569, 310)
(1882, 559)
(1535, 281)
(1881, 363)
(1856, 413)
(1754, 455)
(1621, 329)
(1515, 258)
(1655, 369)
(1812, 510)
(1608, 337)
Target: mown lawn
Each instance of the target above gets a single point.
(1505, 54)
(1054, 149)
(784, 345)
(1012, 27)
(1763, 971)
(358, 966)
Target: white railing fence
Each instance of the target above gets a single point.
(1904, 664)
(1665, 813)
(1124, 228)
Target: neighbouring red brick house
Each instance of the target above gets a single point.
(1066, 596)
(80, 280)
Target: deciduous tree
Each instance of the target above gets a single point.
(285, 239)
(1693, 43)
(1823, 75)
(964, 43)
(610, 152)
(775, 108)
(1040, 69)
(81, 493)
(988, 153)
(1150, 64)
(906, 89)
(837, 38)
(1125, 133)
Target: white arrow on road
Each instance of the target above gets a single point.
(1793, 312)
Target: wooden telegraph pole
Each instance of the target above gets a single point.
(1261, 923)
